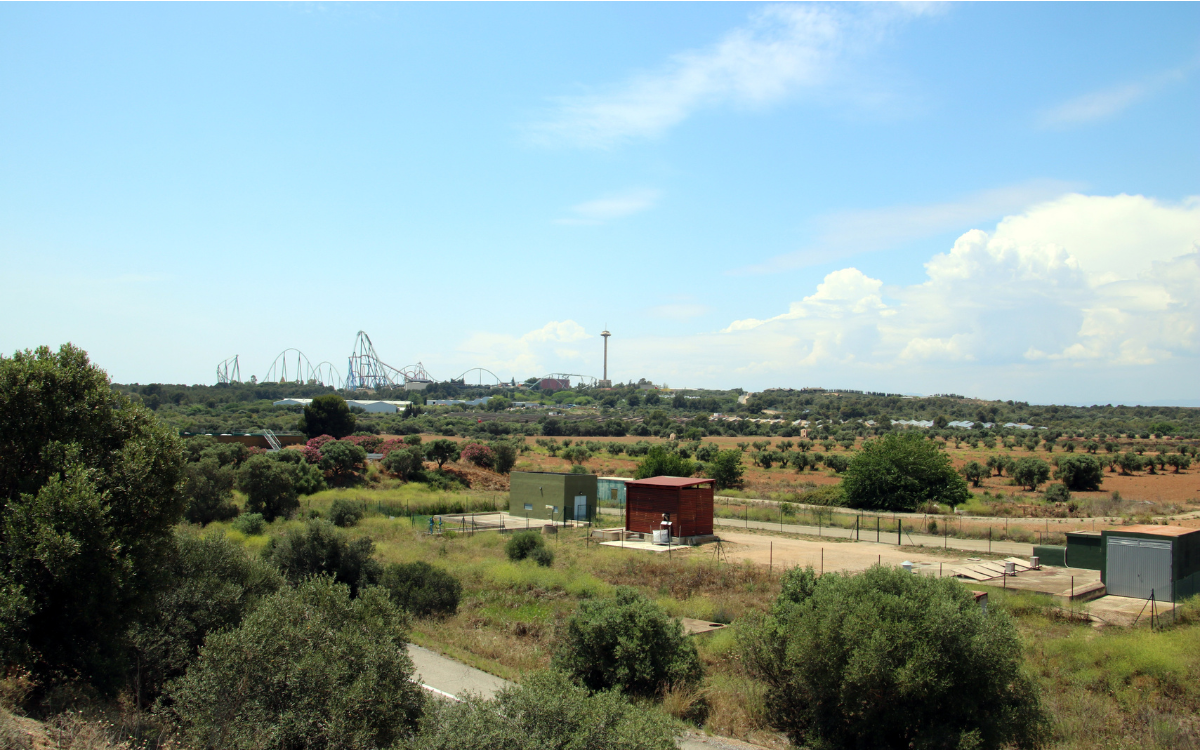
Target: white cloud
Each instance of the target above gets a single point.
(1100, 105)
(538, 351)
(615, 206)
(1082, 298)
(1093, 284)
(849, 233)
(783, 49)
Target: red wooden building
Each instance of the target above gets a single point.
(688, 500)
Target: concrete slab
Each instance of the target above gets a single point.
(694, 627)
(1126, 611)
(643, 546)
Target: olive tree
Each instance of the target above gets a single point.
(320, 548)
(628, 643)
(1080, 473)
(888, 659)
(310, 667)
(1030, 472)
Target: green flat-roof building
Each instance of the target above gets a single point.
(552, 496)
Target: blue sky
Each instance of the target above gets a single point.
(992, 199)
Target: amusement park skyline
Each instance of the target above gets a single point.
(997, 199)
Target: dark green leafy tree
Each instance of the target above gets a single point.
(660, 462)
(901, 472)
(628, 643)
(90, 488)
(974, 472)
(327, 415)
(322, 549)
(1080, 473)
(269, 486)
(210, 584)
(348, 686)
(577, 454)
(345, 513)
(887, 659)
(1030, 472)
(545, 712)
(837, 463)
(208, 490)
(404, 463)
(1129, 462)
(422, 589)
(506, 455)
(441, 451)
(343, 461)
(726, 468)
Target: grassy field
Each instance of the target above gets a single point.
(1110, 688)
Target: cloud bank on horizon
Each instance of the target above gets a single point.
(1073, 284)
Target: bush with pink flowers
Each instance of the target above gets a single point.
(311, 455)
(480, 455)
(319, 440)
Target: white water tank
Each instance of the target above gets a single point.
(908, 566)
(1010, 568)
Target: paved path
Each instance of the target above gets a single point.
(450, 677)
(445, 676)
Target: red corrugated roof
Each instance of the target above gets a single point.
(668, 482)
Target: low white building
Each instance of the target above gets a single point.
(373, 407)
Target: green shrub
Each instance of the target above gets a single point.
(543, 556)
(343, 461)
(901, 472)
(888, 659)
(250, 524)
(208, 487)
(627, 643)
(209, 584)
(405, 462)
(422, 589)
(321, 549)
(345, 513)
(269, 486)
(522, 544)
(310, 668)
(660, 462)
(1080, 473)
(545, 711)
(1057, 493)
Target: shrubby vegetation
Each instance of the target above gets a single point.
(901, 472)
(348, 676)
(546, 711)
(628, 644)
(529, 544)
(319, 548)
(210, 584)
(89, 484)
(887, 659)
(421, 589)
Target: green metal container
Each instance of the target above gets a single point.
(551, 496)
(1085, 549)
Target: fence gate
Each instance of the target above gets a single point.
(1138, 567)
